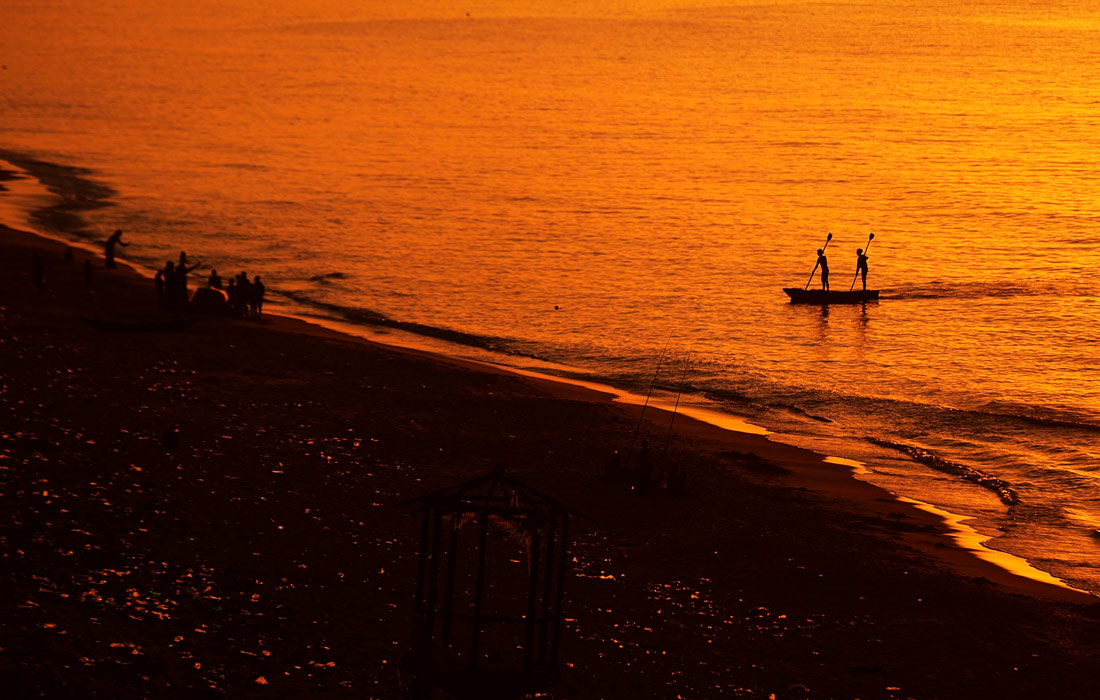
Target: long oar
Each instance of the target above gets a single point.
(865, 249)
(676, 407)
(827, 239)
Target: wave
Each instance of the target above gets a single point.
(1028, 414)
(76, 192)
(798, 410)
(325, 277)
(998, 289)
(997, 485)
(368, 317)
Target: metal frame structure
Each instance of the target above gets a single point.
(456, 583)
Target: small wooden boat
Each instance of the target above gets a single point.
(820, 296)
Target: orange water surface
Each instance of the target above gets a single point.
(570, 184)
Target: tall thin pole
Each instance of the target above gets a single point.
(532, 602)
(563, 571)
(634, 437)
(479, 585)
(687, 363)
(547, 585)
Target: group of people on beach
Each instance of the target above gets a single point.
(823, 266)
(240, 297)
(245, 298)
(171, 283)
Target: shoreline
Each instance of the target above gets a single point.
(268, 528)
(962, 536)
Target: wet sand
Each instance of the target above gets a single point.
(210, 511)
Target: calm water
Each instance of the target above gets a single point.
(652, 173)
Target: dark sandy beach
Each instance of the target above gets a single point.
(262, 555)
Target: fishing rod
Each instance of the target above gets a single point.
(687, 363)
(865, 249)
(827, 239)
(638, 427)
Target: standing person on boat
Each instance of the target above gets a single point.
(823, 263)
(861, 266)
(109, 247)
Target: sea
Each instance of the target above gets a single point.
(618, 190)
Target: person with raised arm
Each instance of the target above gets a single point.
(109, 247)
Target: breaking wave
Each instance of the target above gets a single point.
(998, 486)
(368, 317)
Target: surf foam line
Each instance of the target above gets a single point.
(374, 318)
(963, 536)
(58, 200)
(998, 486)
(973, 541)
(29, 203)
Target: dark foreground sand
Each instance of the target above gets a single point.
(266, 545)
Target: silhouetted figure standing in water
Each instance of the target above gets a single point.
(109, 247)
(215, 280)
(256, 301)
(823, 263)
(861, 266)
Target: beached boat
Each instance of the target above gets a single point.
(820, 296)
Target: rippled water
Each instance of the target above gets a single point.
(578, 181)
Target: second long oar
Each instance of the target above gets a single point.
(675, 408)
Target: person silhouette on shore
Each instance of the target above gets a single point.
(861, 266)
(256, 301)
(109, 247)
(823, 263)
(168, 275)
(244, 294)
(215, 280)
(182, 270)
